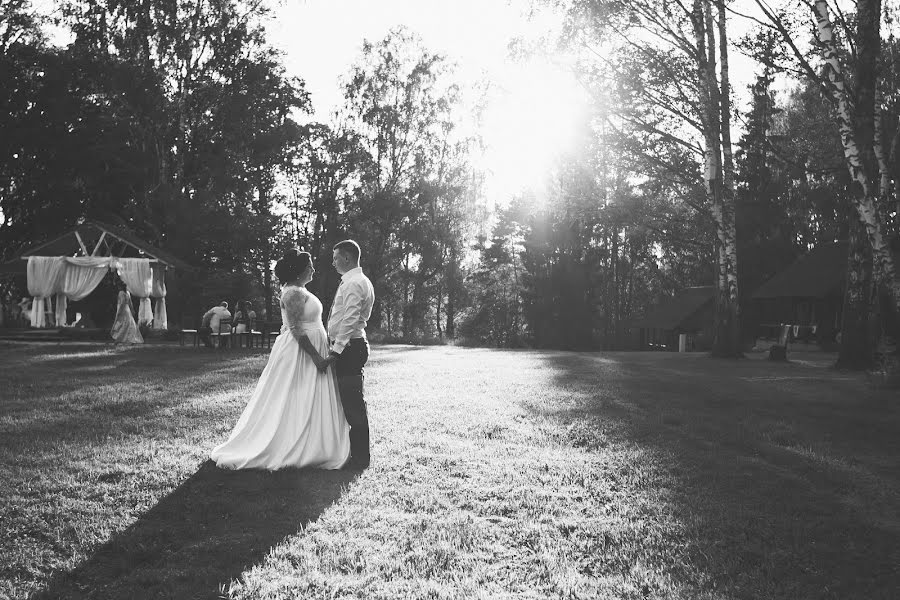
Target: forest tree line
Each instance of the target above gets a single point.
(179, 121)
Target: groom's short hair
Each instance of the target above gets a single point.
(349, 248)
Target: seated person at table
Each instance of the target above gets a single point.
(244, 317)
(210, 322)
(251, 315)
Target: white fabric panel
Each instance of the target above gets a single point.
(80, 280)
(145, 312)
(138, 278)
(81, 276)
(160, 317)
(62, 303)
(92, 261)
(44, 276)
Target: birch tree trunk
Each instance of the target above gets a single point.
(450, 306)
(614, 314)
(879, 147)
(726, 331)
(865, 197)
(438, 301)
(855, 351)
(728, 230)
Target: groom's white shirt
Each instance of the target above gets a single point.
(351, 309)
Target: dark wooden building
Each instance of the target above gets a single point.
(689, 312)
(807, 295)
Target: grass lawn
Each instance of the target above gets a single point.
(496, 474)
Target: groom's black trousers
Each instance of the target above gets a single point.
(349, 368)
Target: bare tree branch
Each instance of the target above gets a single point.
(663, 134)
(685, 97)
(789, 40)
(667, 106)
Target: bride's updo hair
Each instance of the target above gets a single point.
(292, 265)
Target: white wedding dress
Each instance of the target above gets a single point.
(124, 329)
(295, 417)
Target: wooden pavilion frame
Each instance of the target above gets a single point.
(95, 238)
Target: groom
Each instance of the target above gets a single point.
(347, 320)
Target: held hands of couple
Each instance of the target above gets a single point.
(323, 363)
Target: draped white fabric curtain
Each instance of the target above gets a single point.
(61, 306)
(160, 317)
(82, 275)
(44, 280)
(73, 278)
(138, 278)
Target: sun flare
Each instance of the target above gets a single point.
(533, 117)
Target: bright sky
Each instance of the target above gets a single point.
(535, 107)
(534, 103)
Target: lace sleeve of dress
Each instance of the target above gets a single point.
(294, 301)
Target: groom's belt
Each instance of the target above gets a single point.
(353, 339)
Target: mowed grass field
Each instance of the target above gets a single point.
(495, 474)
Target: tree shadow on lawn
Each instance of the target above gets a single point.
(195, 541)
(783, 475)
(74, 355)
(57, 393)
(58, 398)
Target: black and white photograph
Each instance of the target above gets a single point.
(481, 299)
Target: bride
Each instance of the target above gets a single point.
(294, 417)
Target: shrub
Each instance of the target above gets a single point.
(886, 372)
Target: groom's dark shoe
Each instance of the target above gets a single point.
(356, 464)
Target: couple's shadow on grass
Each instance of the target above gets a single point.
(203, 535)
